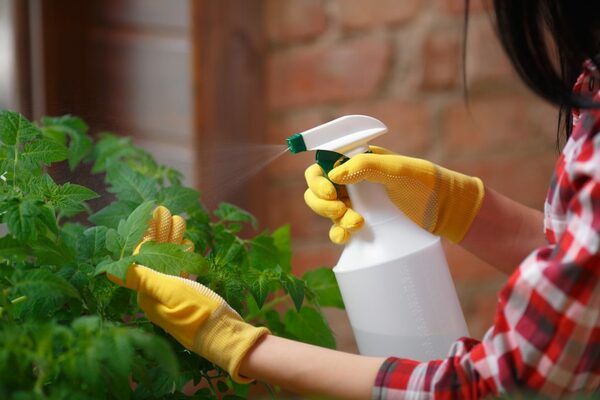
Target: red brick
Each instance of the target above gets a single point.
(308, 76)
(489, 124)
(457, 7)
(407, 121)
(440, 60)
(292, 20)
(486, 61)
(358, 14)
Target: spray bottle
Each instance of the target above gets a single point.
(393, 275)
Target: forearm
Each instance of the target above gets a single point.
(311, 370)
(504, 232)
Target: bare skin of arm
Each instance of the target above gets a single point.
(311, 370)
(504, 232)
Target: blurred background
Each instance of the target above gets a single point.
(186, 77)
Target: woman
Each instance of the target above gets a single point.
(546, 336)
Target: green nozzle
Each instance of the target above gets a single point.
(328, 160)
(296, 143)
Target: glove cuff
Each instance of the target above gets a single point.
(225, 339)
(463, 201)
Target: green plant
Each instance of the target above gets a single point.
(68, 332)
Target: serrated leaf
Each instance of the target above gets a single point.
(260, 287)
(309, 326)
(295, 288)
(178, 199)
(117, 268)
(45, 292)
(323, 283)
(43, 152)
(92, 244)
(132, 229)
(15, 128)
(10, 249)
(111, 215)
(229, 212)
(113, 242)
(264, 255)
(109, 147)
(171, 258)
(79, 144)
(72, 193)
(20, 220)
(48, 252)
(130, 185)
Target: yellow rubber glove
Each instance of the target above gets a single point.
(442, 201)
(194, 315)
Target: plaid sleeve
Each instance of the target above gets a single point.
(546, 336)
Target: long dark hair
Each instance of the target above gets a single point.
(550, 67)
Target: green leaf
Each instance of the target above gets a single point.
(15, 128)
(171, 258)
(229, 212)
(309, 326)
(110, 147)
(132, 229)
(68, 194)
(323, 283)
(117, 268)
(178, 199)
(295, 288)
(11, 249)
(111, 215)
(282, 240)
(43, 152)
(45, 292)
(48, 252)
(80, 144)
(20, 220)
(129, 185)
(113, 242)
(264, 255)
(92, 244)
(260, 287)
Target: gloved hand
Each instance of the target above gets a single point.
(442, 201)
(194, 315)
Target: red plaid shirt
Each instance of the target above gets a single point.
(546, 334)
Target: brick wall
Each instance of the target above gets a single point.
(400, 61)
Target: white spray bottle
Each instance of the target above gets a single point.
(393, 275)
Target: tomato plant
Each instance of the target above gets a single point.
(68, 332)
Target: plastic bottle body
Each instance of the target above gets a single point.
(396, 285)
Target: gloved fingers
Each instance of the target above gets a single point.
(162, 223)
(371, 167)
(177, 229)
(338, 235)
(351, 221)
(140, 244)
(189, 245)
(319, 184)
(332, 209)
(380, 150)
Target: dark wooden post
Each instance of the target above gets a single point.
(229, 51)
